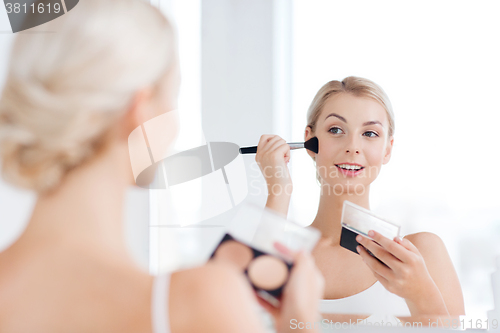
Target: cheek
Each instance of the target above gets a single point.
(327, 153)
(374, 153)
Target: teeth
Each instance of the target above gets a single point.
(349, 167)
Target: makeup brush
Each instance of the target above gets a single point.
(312, 144)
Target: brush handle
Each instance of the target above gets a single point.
(248, 150)
(253, 149)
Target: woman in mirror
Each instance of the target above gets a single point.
(354, 123)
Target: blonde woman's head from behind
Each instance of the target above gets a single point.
(107, 67)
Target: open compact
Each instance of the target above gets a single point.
(266, 273)
(250, 246)
(357, 220)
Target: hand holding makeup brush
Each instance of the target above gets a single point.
(273, 155)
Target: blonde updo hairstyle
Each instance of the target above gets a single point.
(356, 86)
(65, 89)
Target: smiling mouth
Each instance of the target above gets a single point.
(349, 167)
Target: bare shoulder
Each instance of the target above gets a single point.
(212, 293)
(213, 275)
(433, 251)
(426, 242)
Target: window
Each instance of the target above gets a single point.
(165, 227)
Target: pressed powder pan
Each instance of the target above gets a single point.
(266, 273)
(249, 244)
(234, 252)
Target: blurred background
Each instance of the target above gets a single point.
(251, 67)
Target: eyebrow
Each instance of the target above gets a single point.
(336, 115)
(372, 122)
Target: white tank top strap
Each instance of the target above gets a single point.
(159, 304)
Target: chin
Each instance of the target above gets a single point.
(345, 187)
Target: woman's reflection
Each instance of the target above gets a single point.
(354, 122)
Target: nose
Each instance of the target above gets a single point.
(353, 142)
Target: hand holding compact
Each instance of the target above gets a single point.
(302, 292)
(402, 271)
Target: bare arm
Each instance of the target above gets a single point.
(441, 269)
(278, 203)
(217, 298)
(273, 154)
(212, 298)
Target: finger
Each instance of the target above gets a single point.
(302, 261)
(407, 244)
(385, 283)
(262, 141)
(281, 151)
(391, 246)
(379, 252)
(281, 146)
(264, 138)
(374, 264)
(277, 145)
(267, 145)
(285, 151)
(285, 251)
(382, 279)
(268, 307)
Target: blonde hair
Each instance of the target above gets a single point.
(65, 89)
(356, 86)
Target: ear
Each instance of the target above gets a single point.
(138, 111)
(307, 135)
(388, 151)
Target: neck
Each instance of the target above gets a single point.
(328, 218)
(85, 210)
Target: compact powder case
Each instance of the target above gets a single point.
(250, 244)
(266, 273)
(357, 220)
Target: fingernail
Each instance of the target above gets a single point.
(371, 233)
(359, 238)
(358, 248)
(398, 239)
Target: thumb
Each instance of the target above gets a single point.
(287, 156)
(285, 251)
(268, 307)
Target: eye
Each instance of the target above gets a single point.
(370, 134)
(336, 130)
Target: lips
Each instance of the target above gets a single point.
(350, 169)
